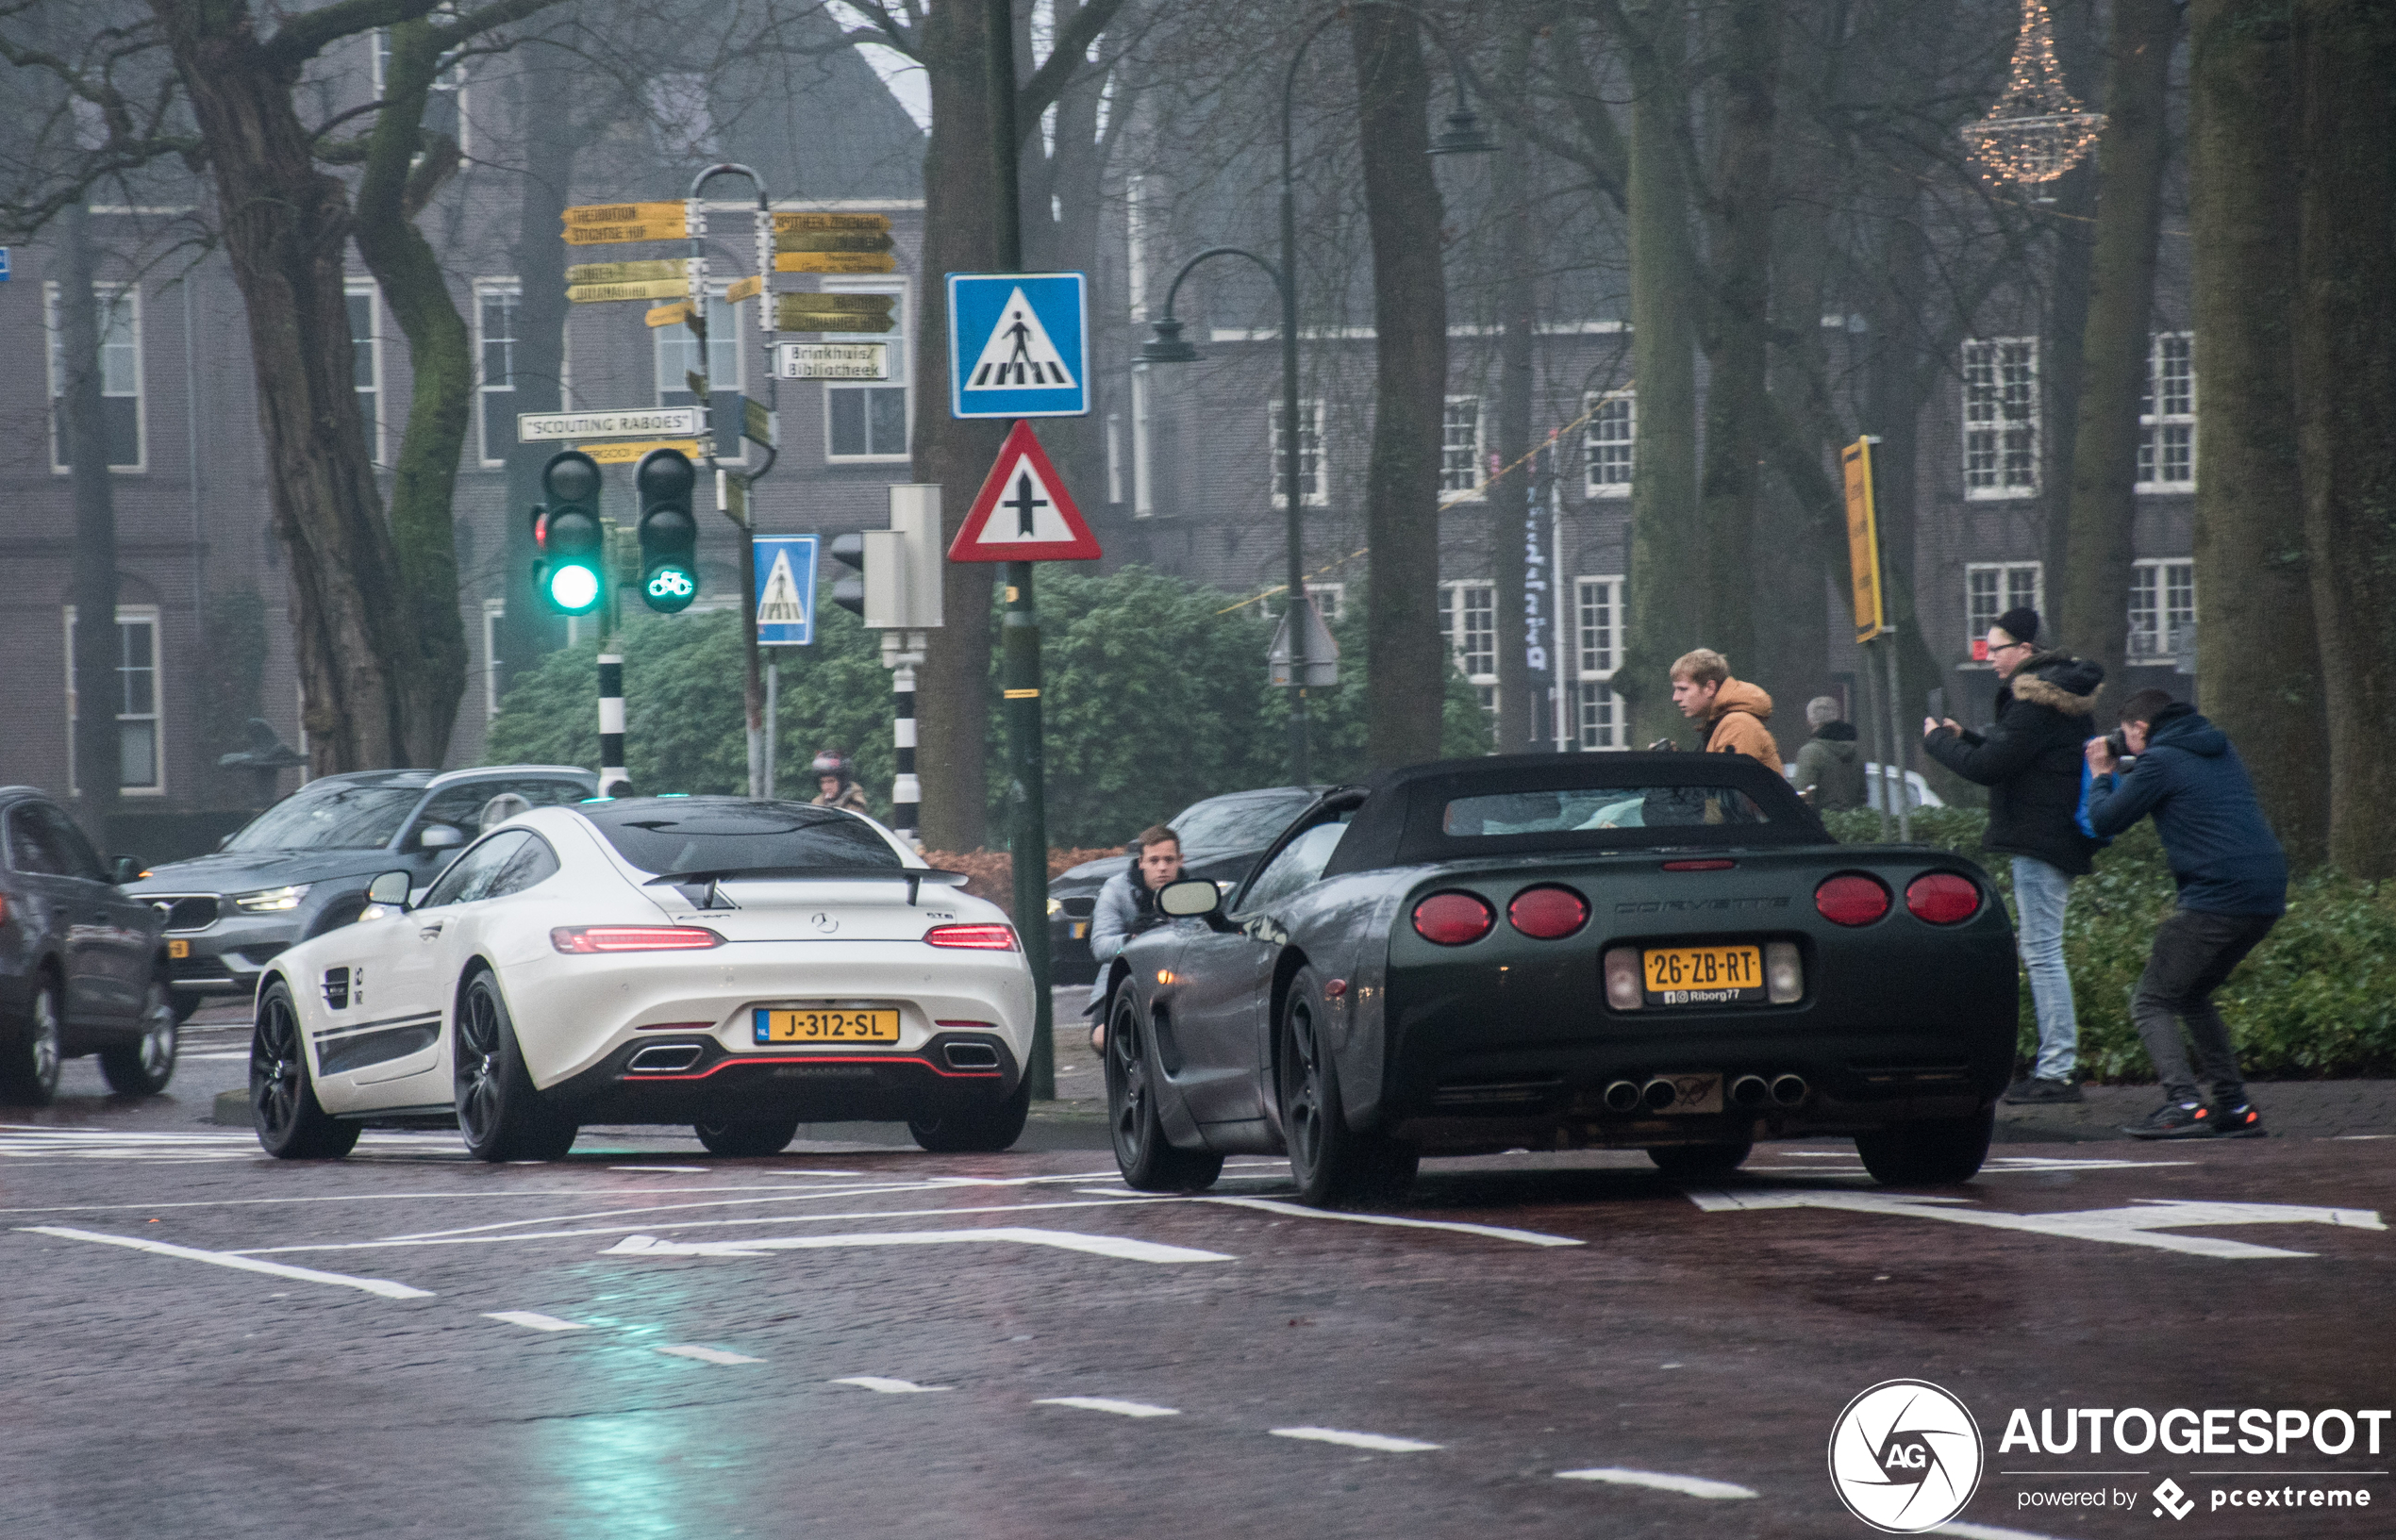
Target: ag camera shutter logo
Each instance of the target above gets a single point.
(1906, 1456)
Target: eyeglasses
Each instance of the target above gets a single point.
(2006, 647)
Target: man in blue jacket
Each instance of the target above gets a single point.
(2233, 879)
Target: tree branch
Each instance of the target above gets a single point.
(300, 37)
(1048, 82)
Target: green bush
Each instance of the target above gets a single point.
(2316, 999)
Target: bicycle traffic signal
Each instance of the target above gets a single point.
(569, 575)
(669, 532)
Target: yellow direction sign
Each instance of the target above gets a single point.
(743, 289)
(1863, 542)
(668, 315)
(835, 261)
(650, 288)
(604, 223)
(835, 312)
(627, 272)
(787, 224)
(627, 453)
(832, 241)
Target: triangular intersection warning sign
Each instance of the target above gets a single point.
(1023, 512)
(1019, 354)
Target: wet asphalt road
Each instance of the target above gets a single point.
(644, 1341)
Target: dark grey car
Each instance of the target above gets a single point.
(301, 867)
(82, 966)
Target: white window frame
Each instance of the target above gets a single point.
(452, 79)
(373, 291)
(1600, 721)
(127, 615)
(1312, 408)
(494, 455)
(900, 354)
(1461, 467)
(494, 612)
(2006, 580)
(2162, 598)
(1328, 600)
(1457, 614)
(2170, 422)
(106, 294)
(1598, 437)
(2001, 418)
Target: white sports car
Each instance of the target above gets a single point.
(738, 966)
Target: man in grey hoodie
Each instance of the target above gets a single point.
(1127, 906)
(1830, 768)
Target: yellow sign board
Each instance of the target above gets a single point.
(668, 315)
(627, 273)
(627, 453)
(789, 224)
(832, 241)
(749, 288)
(649, 288)
(835, 312)
(1863, 542)
(604, 223)
(835, 261)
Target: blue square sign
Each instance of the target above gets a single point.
(1018, 345)
(784, 591)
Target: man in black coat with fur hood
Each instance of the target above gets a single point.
(2029, 759)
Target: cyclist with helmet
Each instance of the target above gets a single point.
(837, 785)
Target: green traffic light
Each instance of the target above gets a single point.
(670, 589)
(573, 589)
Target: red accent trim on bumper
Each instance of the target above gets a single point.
(632, 1077)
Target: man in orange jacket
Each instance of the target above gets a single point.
(1734, 711)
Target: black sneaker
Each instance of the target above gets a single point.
(2175, 1121)
(2029, 1091)
(2240, 1122)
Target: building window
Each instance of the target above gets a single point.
(1460, 447)
(2167, 416)
(498, 311)
(2162, 610)
(1597, 651)
(2000, 417)
(1991, 589)
(677, 353)
(870, 421)
(120, 325)
(1607, 442)
(1327, 599)
(444, 107)
(1311, 492)
(494, 612)
(366, 359)
(134, 693)
(1468, 618)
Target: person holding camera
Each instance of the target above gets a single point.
(2029, 759)
(1128, 906)
(2233, 880)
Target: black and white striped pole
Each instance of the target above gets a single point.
(907, 792)
(611, 769)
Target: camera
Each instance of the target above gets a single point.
(2118, 745)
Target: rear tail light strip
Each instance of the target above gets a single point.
(587, 938)
(972, 938)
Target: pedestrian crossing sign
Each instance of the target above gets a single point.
(1018, 345)
(785, 590)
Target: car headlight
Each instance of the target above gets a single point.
(271, 901)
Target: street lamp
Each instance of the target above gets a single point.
(1463, 134)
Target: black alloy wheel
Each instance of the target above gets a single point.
(1934, 1153)
(747, 1136)
(29, 1065)
(142, 1067)
(1149, 1160)
(499, 1111)
(1332, 1163)
(981, 1128)
(291, 1124)
(1701, 1161)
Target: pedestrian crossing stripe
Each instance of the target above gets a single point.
(1019, 353)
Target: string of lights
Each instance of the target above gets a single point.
(2037, 130)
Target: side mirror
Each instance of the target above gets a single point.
(227, 840)
(126, 871)
(1191, 898)
(439, 837)
(389, 891)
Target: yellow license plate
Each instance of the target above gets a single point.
(178, 949)
(827, 1024)
(1703, 975)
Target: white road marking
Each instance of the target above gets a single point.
(2139, 1225)
(237, 1053)
(1690, 1486)
(1988, 1532)
(1382, 1442)
(708, 1356)
(383, 1287)
(887, 1387)
(534, 1319)
(1119, 1247)
(1102, 1403)
(672, 1170)
(1527, 1237)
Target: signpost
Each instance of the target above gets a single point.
(1018, 345)
(833, 312)
(833, 243)
(1872, 624)
(782, 589)
(1023, 512)
(608, 223)
(558, 427)
(833, 361)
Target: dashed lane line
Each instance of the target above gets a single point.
(383, 1287)
(1122, 1247)
(1690, 1486)
(534, 1320)
(1380, 1443)
(887, 1387)
(670, 1171)
(1107, 1403)
(708, 1356)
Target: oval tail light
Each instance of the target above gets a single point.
(1851, 899)
(1942, 898)
(1453, 920)
(634, 938)
(971, 937)
(1548, 914)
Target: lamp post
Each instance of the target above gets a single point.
(1462, 136)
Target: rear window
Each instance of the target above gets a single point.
(671, 835)
(1594, 808)
(1237, 823)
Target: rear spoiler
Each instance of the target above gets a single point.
(915, 877)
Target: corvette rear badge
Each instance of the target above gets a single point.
(1906, 1456)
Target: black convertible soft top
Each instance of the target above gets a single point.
(1670, 800)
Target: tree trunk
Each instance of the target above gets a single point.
(432, 668)
(1663, 616)
(545, 108)
(2345, 329)
(2258, 659)
(2094, 615)
(286, 225)
(1521, 718)
(94, 581)
(1403, 652)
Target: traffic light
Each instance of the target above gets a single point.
(669, 533)
(848, 591)
(569, 575)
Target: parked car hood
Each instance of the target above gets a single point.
(246, 871)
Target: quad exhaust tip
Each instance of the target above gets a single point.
(664, 1058)
(1787, 1090)
(1621, 1095)
(1660, 1094)
(1749, 1091)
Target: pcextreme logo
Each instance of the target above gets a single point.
(1905, 1456)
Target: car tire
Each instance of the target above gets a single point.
(500, 1112)
(1934, 1152)
(1333, 1164)
(747, 1136)
(29, 1064)
(291, 1124)
(976, 1129)
(1700, 1162)
(143, 1065)
(1148, 1160)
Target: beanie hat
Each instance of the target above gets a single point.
(2022, 624)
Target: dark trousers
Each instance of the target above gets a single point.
(2194, 950)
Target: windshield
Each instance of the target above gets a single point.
(674, 836)
(1237, 823)
(1596, 807)
(340, 818)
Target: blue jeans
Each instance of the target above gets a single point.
(2039, 893)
